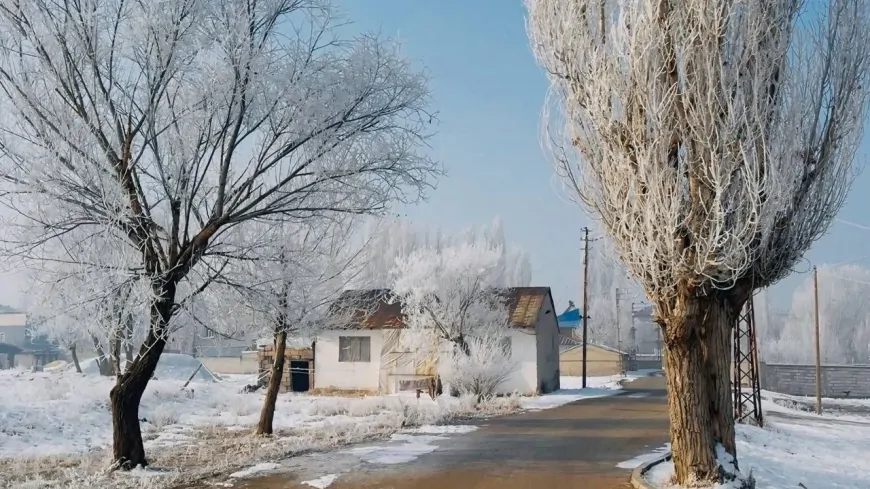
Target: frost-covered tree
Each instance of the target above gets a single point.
(714, 141)
(844, 321)
(167, 123)
(82, 289)
(454, 295)
(607, 276)
(287, 276)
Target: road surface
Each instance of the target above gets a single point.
(575, 445)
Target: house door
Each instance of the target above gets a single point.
(299, 376)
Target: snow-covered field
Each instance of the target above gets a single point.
(55, 427)
(800, 449)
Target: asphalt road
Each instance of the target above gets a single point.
(577, 445)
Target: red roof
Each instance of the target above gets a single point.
(379, 308)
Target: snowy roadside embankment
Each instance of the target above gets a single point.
(798, 449)
(62, 419)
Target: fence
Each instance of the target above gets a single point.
(838, 381)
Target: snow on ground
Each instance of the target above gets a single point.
(855, 409)
(321, 482)
(254, 470)
(65, 414)
(798, 448)
(644, 458)
(205, 428)
(572, 390)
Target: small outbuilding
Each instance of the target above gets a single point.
(600, 360)
(298, 365)
(367, 355)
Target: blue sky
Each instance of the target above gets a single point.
(489, 92)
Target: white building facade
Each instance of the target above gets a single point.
(369, 356)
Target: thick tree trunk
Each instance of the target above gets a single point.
(691, 429)
(75, 358)
(267, 414)
(128, 449)
(718, 325)
(688, 406)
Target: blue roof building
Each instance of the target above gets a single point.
(570, 318)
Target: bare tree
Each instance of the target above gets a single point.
(715, 142)
(287, 275)
(165, 124)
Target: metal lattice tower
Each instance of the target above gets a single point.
(747, 389)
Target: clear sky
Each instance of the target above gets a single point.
(489, 92)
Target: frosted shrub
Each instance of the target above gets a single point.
(163, 415)
(481, 370)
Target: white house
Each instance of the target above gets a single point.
(368, 356)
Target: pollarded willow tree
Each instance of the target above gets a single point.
(166, 123)
(715, 143)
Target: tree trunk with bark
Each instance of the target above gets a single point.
(267, 414)
(128, 449)
(103, 362)
(75, 358)
(128, 338)
(691, 429)
(718, 325)
(115, 351)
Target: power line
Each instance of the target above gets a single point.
(828, 274)
(853, 224)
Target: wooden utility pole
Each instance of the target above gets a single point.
(818, 344)
(585, 310)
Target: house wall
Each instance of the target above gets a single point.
(12, 334)
(599, 361)
(329, 373)
(13, 319)
(524, 354)
(547, 339)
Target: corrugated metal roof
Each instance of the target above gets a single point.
(380, 309)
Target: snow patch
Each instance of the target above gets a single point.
(321, 482)
(816, 452)
(256, 469)
(443, 429)
(644, 458)
(572, 390)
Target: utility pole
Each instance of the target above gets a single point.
(585, 311)
(818, 344)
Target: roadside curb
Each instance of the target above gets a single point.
(637, 480)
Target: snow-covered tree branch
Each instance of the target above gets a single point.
(844, 321)
(453, 296)
(714, 141)
(166, 124)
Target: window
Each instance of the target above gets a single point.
(506, 346)
(354, 349)
(209, 334)
(3, 337)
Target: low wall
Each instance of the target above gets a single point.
(245, 364)
(800, 380)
